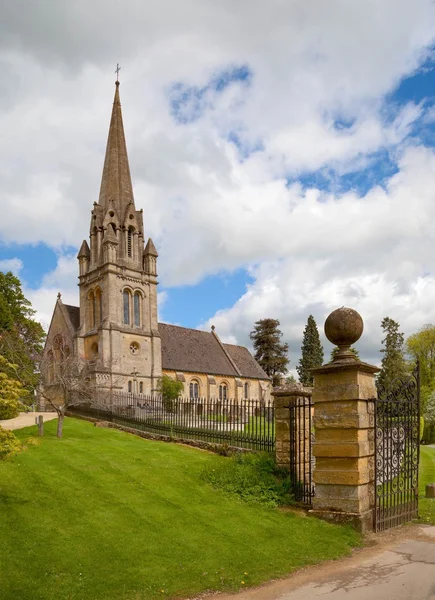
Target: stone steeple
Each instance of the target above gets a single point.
(116, 183)
(118, 279)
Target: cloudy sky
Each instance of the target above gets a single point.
(283, 153)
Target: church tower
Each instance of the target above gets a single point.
(118, 280)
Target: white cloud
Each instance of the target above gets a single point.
(62, 279)
(314, 65)
(11, 264)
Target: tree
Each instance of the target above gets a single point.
(10, 391)
(68, 382)
(21, 337)
(270, 352)
(170, 389)
(312, 353)
(351, 349)
(393, 362)
(421, 346)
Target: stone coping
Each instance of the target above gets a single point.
(346, 365)
(292, 389)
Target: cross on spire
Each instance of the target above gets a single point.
(118, 68)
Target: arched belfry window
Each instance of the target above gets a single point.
(93, 309)
(130, 242)
(136, 308)
(126, 296)
(100, 307)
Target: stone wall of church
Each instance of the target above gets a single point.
(208, 385)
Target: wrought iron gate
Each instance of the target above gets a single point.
(301, 456)
(397, 431)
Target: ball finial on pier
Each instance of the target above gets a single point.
(343, 328)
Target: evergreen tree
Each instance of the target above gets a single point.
(21, 337)
(270, 352)
(393, 361)
(312, 353)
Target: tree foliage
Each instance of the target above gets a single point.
(312, 353)
(393, 360)
(421, 346)
(170, 389)
(21, 337)
(10, 391)
(270, 352)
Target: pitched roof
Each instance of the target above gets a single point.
(116, 180)
(74, 315)
(245, 362)
(197, 351)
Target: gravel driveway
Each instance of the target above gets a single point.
(26, 419)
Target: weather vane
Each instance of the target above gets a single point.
(118, 68)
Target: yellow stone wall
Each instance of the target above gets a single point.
(236, 386)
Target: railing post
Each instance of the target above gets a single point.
(344, 396)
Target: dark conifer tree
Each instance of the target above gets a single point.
(393, 363)
(270, 352)
(312, 353)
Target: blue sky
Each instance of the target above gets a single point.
(284, 166)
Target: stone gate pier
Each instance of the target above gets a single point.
(344, 397)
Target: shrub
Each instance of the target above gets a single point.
(252, 478)
(9, 409)
(9, 444)
(10, 391)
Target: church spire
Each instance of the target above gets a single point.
(116, 183)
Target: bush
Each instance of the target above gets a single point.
(9, 409)
(9, 444)
(252, 478)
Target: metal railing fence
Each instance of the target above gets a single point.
(243, 423)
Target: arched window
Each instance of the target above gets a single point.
(94, 350)
(93, 306)
(101, 306)
(50, 356)
(194, 390)
(130, 387)
(130, 242)
(126, 296)
(223, 391)
(136, 302)
(246, 390)
(140, 387)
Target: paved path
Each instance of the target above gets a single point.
(401, 569)
(26, 419)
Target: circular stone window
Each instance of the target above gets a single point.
(131, 217)
(134, 348)
(111, 213)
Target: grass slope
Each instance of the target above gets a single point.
(102, 514)
(426, 506)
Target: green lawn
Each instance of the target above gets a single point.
(426, 506)
(103, 515)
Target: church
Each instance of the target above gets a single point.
(116, 329)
